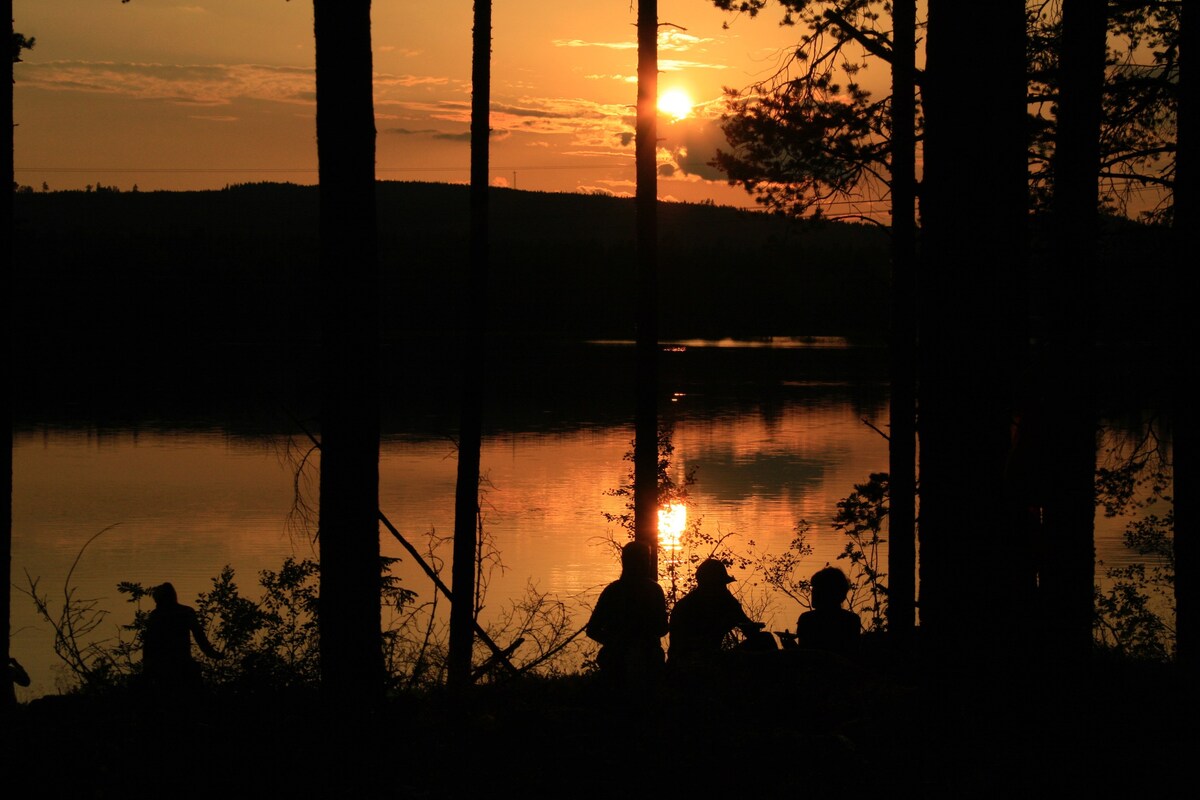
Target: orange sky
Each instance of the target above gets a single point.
(179, 94)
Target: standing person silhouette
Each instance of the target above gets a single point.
(828, 626)
(167, 645)
(705, 615)
(629, 621)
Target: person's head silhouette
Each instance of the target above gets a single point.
(635, 561)
(829, 588)
(164, 595)
(712, 572)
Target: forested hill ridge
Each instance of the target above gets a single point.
(240, 264)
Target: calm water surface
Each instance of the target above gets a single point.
(775, 434)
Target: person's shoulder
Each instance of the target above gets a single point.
(609, 590)
(685, 602)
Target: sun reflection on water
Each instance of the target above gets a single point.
(672, 522)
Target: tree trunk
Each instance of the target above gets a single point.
(1184, 448)
(975, 575)
(351, 645)
(902, 454)
(466, 505)
(645, 447)
(6, 252)
(1065, 483)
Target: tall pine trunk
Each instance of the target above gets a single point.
(6, 252)
(1068, 415)
(902, 455)
(975, 573)
(1185, 372)
(645, 447)
(351, 645)
(474, 346)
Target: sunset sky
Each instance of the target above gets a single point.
(198, 94)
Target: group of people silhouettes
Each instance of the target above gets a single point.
(630, 620)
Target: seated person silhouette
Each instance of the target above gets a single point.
(629, 621)
(167, 644)
(828, 626)
(705, 615)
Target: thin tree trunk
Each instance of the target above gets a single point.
(1068, 428)
(6, 252)
(645, 448)
(901, 610)
(1184, 448)
(466, 504)
(351, 645)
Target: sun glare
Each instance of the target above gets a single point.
(672, 521)
(675, 102)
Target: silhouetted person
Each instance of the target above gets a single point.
(629, 621)
(704, 616)
(828, 626)
(167, 645)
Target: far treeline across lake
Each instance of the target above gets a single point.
(240, 265)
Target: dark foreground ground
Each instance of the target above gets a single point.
(801, 727)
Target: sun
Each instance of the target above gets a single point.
(676, 102)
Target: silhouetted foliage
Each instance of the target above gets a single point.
(809, 135)
(1135, 610)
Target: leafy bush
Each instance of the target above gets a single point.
(1135, 614)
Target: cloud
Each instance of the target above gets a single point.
(677, 41)
(385, 81)
(675, 65)
(601, 191)
(669, 39)
(197, 84)
(210, 84)
(689, 145)
(621, 78)
(411, 131)
(444, 136)
(403, 52)
(608, 45)
(586, 122)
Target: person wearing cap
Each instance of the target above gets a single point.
(629, 621)
(704, 616)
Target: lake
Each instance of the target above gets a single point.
(173, 483)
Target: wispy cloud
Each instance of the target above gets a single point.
(608, 45)
(622, 78)
(210, 84)
(677, 64)
(440, 135)
(199, 84)
(669, 39)
(678, 41)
